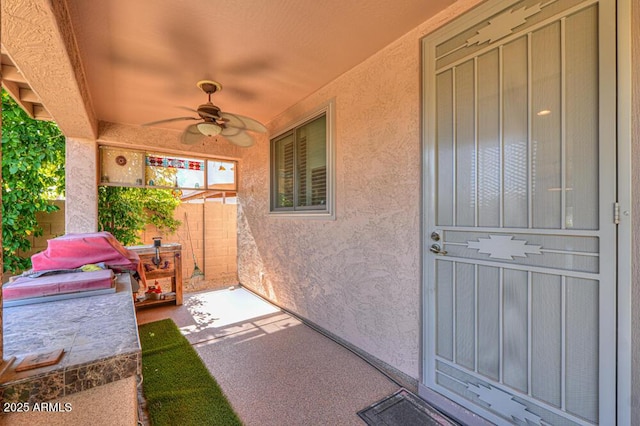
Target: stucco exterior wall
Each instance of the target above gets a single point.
(81, 165)
(60, 85)
(358, 276)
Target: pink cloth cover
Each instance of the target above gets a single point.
(25, 287)
(74, 250)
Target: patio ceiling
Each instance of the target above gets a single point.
(133, 62)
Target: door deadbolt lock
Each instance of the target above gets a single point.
(435, 248)
(435, 236)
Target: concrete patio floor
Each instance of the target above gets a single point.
(274, 369)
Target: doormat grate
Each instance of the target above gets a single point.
(404, 409)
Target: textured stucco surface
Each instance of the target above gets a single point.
(39, 31)
(357, 276)
(81, 168)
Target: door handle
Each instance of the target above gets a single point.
(435, 248)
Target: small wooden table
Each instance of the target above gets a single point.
(168, 266)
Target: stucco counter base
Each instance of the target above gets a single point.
(101, 361)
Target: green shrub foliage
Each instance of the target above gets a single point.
(33, 174)
(125, 212)
(33, 158)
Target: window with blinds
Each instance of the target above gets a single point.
(299, 168)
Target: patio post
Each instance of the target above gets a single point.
(81, 169)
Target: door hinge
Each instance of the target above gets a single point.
(616, 213)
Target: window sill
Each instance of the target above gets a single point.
(305, 214)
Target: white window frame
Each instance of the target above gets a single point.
(230, 187)
(328, 110)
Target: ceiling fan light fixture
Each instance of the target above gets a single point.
(213, 122)
(209, 129)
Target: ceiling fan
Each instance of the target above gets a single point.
(213, 122)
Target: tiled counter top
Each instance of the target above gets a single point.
(98, 334)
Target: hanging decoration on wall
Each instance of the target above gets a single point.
(121, 160)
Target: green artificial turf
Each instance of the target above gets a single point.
(177, 386)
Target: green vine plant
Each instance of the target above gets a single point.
(33, 174)
(33, 154)
(125, 212)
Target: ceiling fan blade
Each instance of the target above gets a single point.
(169, 120)
(242, 139)
(191, 135)
(230, 131)
(199, 112)
(242, 122)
